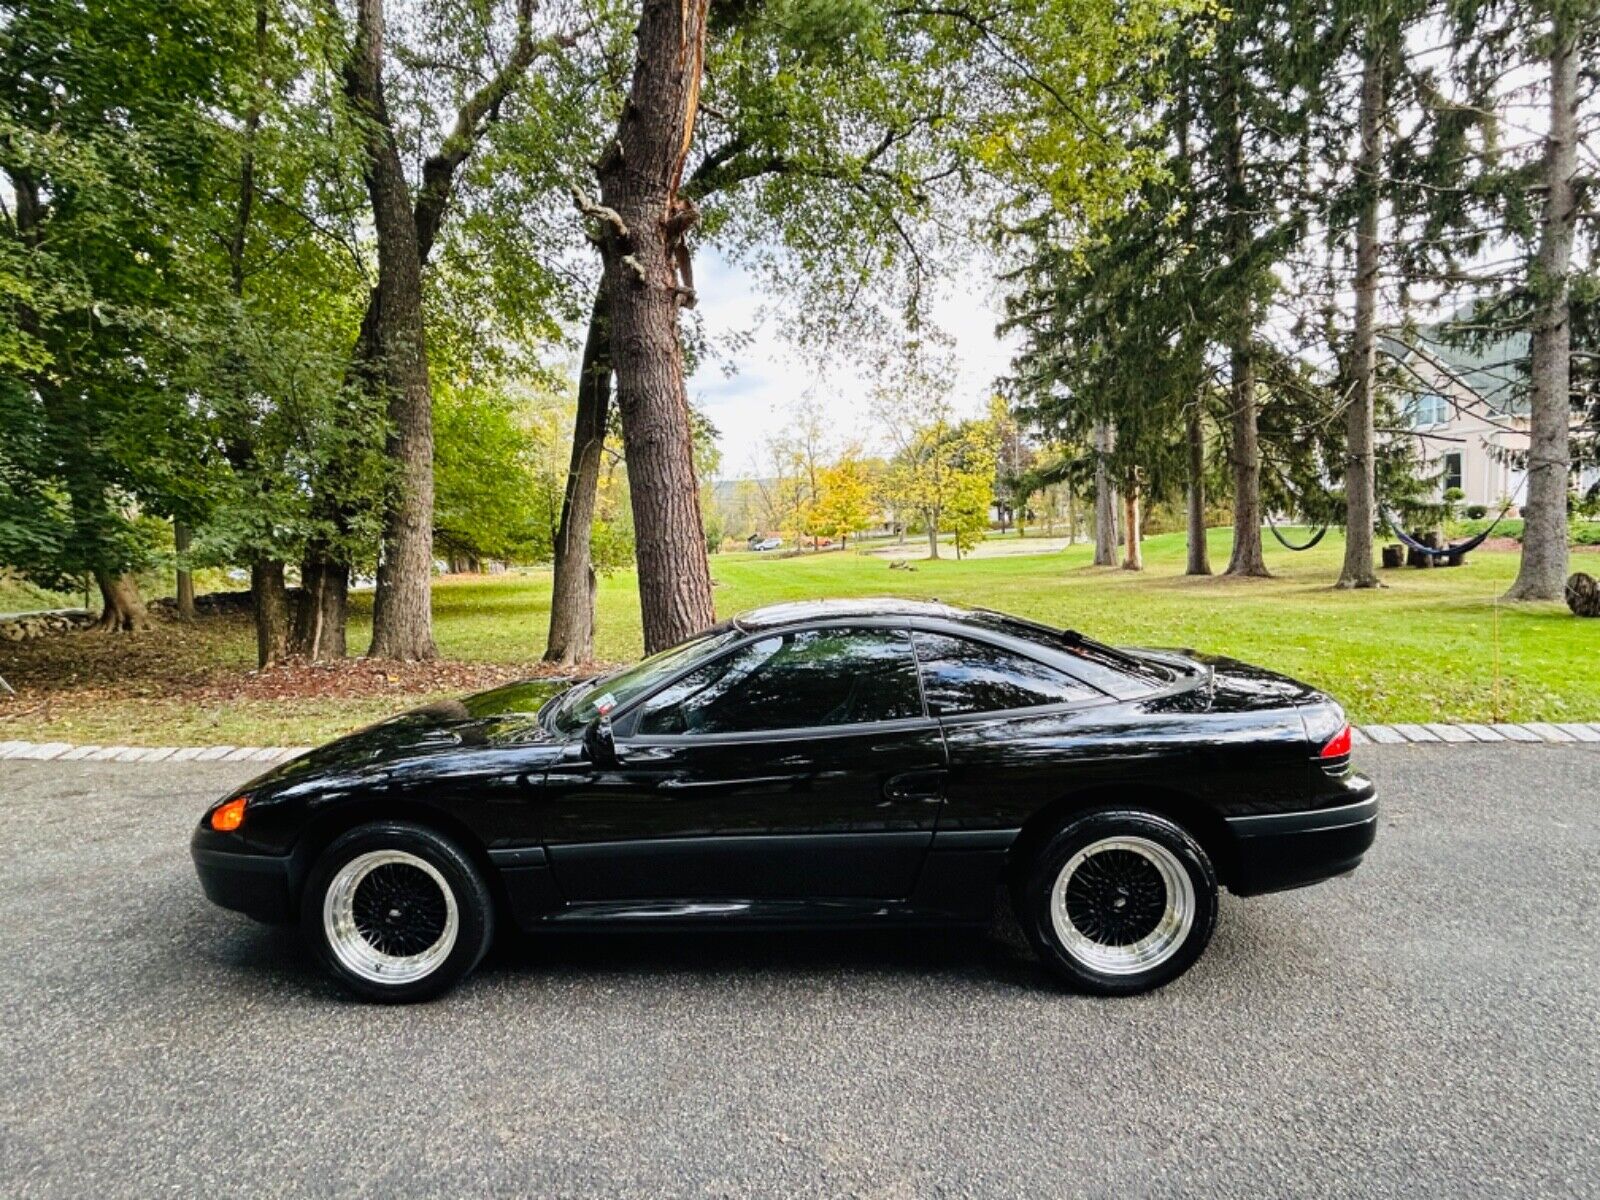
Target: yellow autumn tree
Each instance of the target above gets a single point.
(844, 502)
(945, 473)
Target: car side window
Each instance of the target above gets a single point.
(802, 679)
(960, 675)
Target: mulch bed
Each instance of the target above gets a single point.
(212, 659)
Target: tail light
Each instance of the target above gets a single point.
(1338, 745)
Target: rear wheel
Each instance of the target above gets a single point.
(397, 913)
(1119, 901)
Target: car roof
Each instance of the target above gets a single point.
(795, 612)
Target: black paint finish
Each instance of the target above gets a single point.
(910, 820)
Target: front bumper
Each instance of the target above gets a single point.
(258, 885)
(1277, 851)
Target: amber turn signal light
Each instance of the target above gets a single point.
(225, 818)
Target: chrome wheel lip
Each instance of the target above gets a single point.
(1157, 946)
(359, 956)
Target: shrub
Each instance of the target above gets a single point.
(1476, 512)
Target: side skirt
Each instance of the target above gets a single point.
(955, 887)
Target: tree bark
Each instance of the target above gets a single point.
(1133, 557)
(269, 601)
(401, 611)
(573, 588)
(1245, 454)
(122, 610)
(1245, 458)
(1541, 574)
(933, 536)
(641, 226)
(1199, 552)
(181, 540)
(1359, 474)
(319, 628)
(1105, 502)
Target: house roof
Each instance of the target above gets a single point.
(1495, 372)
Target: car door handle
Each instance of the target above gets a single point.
(915, 785)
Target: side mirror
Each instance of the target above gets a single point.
(599, 744)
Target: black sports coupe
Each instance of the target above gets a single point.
(812, 764)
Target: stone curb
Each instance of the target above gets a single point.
(1559, 732)
(66, 752)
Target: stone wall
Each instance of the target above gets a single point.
(23, 627)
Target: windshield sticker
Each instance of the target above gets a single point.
(604, 704)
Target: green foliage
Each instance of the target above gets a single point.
(105, 134)
(499, 470)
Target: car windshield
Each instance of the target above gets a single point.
(589, 700)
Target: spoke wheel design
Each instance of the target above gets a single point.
(1122, 905)
(390, 917)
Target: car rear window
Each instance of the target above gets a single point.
(961, 675)
(1094, 654)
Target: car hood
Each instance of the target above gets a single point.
(505, 717)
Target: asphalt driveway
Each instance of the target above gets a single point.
(1429, 1026)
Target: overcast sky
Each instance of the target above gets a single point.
(770, 377)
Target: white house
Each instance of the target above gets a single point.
(1468, 413)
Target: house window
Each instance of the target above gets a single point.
(1452, 470)
(1429, 409)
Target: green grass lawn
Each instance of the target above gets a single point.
(1434, 645)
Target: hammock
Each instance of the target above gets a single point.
(1287, 544)
(1472, 543)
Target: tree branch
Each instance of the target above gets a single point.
(475, 115)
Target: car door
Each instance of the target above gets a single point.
(799, 764)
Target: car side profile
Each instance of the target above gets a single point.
(837, 763)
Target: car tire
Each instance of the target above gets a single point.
(1119, 901)
(396, 913)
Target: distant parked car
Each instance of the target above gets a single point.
(770, 543)
(823, 764)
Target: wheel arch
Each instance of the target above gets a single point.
(1183, 810)
(325, 828)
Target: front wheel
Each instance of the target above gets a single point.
(396, 913)
(1119, 901)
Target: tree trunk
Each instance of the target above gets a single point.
(1199, 552)
(181, 540)
(933, 536)
(1105, 502)
(1245, 456)
(1133, 558)
(1541, 575)
(319, 625)
(573, 588)
(641, 225)
(1359, 472)
(269, 601)
(401, 609)
(122, 610)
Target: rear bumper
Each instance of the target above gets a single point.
(1276, 851)
(257, 885)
